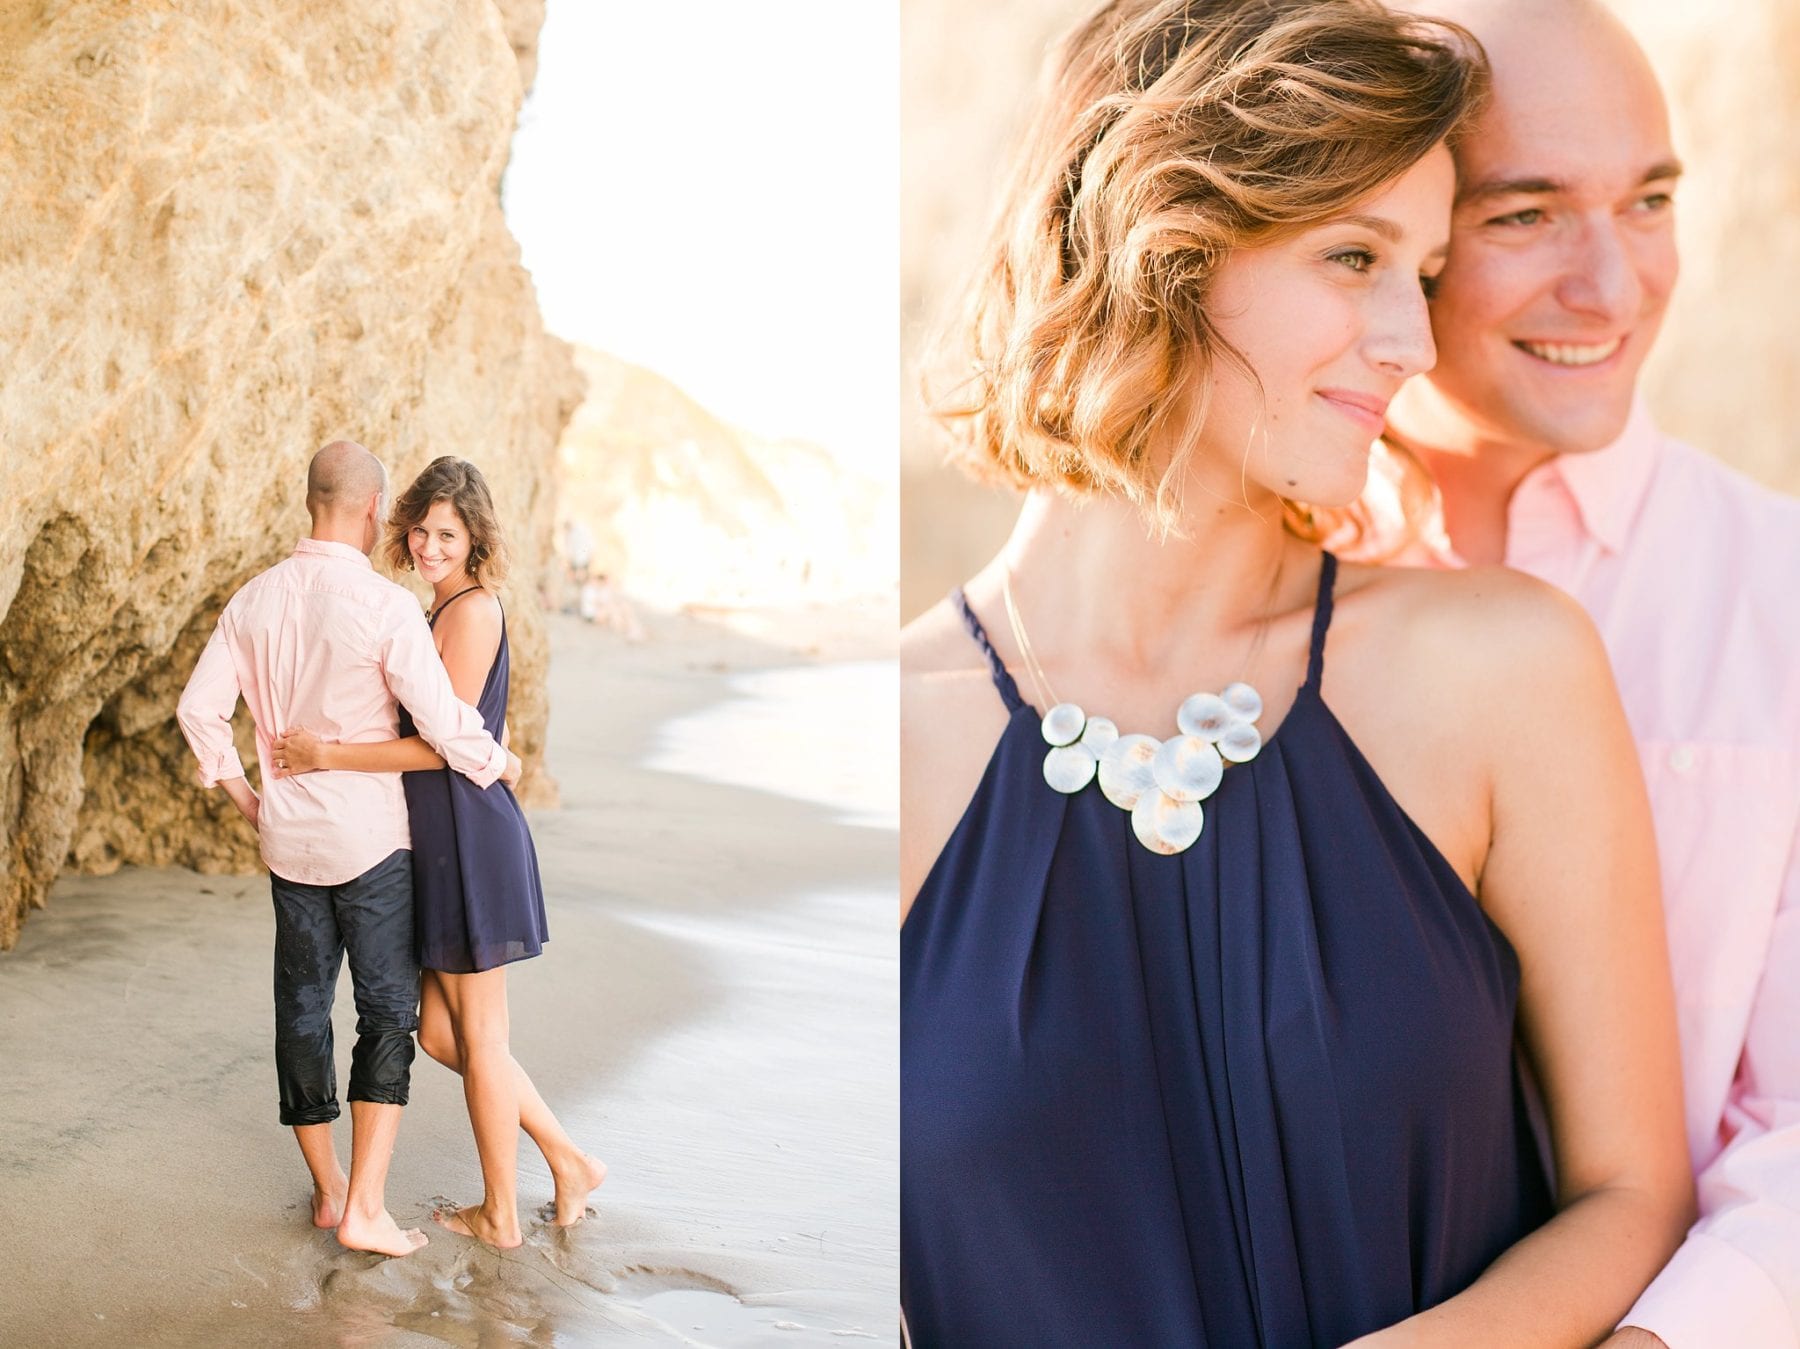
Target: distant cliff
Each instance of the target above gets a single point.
(684, 508)
(232, 232)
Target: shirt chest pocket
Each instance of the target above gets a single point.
(1725, 824)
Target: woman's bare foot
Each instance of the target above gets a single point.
(476, 1222)
(380, 1234)
(573, 1186)
(328, 1205)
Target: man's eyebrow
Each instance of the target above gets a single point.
(1509, 187)
(1661, 171)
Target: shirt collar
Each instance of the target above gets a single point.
(1608, 485)
(329, 548)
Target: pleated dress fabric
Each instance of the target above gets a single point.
(478, 901)
(1259, 1093)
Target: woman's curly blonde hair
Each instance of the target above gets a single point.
(1168, 133)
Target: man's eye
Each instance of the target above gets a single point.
(1428, 285)
(1531, 215)
(1656, 201)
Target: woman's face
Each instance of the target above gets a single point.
(439, 543)
(1332, 321)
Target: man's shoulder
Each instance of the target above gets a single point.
(1725, 508)
(390, 594)
(1723, 551)
(277, 576)
(336, 583)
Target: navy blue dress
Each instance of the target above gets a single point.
(1259, 1093)
(477, 899)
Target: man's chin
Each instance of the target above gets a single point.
(1547, 425)
(1575, 432)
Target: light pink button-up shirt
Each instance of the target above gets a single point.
(322, 642)
(1692, 574)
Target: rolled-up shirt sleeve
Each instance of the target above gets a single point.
(204, 711)
(416, 676)
(1736, 1280)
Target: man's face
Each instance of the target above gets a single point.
(1562, 250)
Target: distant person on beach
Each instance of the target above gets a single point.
(603, 603)
(578, 555)
(578, 547)
(480, 903)
(1563, 259)
(320, 639)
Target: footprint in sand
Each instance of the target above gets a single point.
(697, 1309)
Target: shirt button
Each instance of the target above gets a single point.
(1681, 758)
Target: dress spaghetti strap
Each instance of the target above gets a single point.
(1315, 656)
(1003, 680)
(452, 600)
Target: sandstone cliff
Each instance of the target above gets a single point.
(234, 231)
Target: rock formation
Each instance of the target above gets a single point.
(1721, 374)
(234, 230)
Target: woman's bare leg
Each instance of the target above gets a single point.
(576, 1174)
(477, 1004)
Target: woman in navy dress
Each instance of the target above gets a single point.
(478, 905)
(1235, 876)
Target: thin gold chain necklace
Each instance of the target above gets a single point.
(1160, 782)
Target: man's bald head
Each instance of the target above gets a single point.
(346, 494)
(341, 479)
(1540, 45)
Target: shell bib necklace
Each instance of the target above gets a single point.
(1160, 782)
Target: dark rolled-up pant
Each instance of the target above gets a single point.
(371, 919)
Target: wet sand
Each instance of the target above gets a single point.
(715, 1017)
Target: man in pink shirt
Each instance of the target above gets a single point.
(320, 640)
(1561, 264)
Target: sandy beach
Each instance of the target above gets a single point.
(715, 1016)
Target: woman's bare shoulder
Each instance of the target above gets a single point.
(471, 626)
(477, 611)
(1490, 628)
(936, 642)
(950, 719)
(946, 686)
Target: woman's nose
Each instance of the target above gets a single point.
(1400, 342)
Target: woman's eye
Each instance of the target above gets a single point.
(1356, 259)
(1531, 215)
(1428, 285)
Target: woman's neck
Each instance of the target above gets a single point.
(449, 588)
(1097, 576)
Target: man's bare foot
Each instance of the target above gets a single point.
(328, 1205)
(380, 1235)
(574, 1185)
(475, 1222)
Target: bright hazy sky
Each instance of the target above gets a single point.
(711, 189)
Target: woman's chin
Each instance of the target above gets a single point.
(1330, 491)
(1323, 497)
